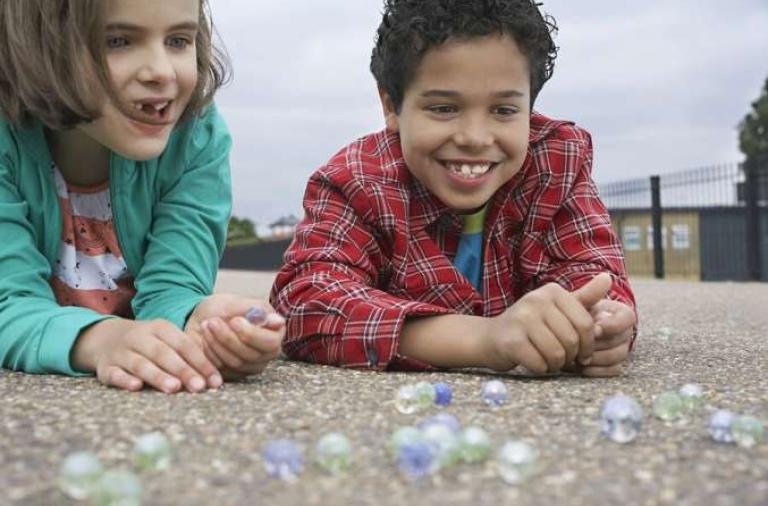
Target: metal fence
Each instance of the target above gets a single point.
(709, 223)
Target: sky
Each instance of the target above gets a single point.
(661, 86)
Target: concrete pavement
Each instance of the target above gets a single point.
(719, 339)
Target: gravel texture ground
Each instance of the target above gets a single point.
(719, 339)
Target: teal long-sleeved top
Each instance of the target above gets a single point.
(170, 216)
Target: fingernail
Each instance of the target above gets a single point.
(206, 325)
(215, 380)
(276, 318)
(171, 384)
(256, 315)
(585, 361)
(211, 325)
(197, 383)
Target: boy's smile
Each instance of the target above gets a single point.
(464, 120)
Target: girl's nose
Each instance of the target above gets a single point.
(157, 66)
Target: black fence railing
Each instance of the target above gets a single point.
(709, 223)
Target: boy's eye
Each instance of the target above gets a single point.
(116, 42)
(442, 109)
(179, 42)
(505, 110)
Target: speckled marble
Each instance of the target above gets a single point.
(719, 340)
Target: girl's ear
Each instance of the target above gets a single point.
(390, 112)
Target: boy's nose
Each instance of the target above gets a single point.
(157, 66)
(473, 133)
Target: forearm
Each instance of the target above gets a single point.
(94, 339)
(448, 341)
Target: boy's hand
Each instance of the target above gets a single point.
(615, 322)
(127, 354)
(234, 344)
(548, 328)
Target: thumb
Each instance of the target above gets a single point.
(594, 291)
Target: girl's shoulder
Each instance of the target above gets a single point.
(21, 145)
(201, 136)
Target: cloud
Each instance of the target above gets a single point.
(660, 85)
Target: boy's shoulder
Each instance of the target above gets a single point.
(549, 130)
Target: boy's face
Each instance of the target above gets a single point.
(152, 62)
(464, 120)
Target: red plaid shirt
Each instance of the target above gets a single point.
(375, 247)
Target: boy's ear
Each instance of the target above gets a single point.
(390, 113)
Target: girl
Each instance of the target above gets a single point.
(115, 196)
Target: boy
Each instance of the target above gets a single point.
(469, 233)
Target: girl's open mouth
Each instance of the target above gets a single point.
(151, 112)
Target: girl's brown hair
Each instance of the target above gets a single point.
(53, 67)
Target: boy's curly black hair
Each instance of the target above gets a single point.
(409, 28)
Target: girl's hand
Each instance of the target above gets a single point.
(129, 354)
(238, 347)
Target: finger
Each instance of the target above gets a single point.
(230, 360)
(617, 320)
(192, 366)
(569, 338)
(548, 347)
(613, 356)
(265, 341)
(529, 357)
(597, 288)
(117, 377)
(212, 356)
(612, 341)
(147, 371)
(581, 321)
(160, 351)
(602, 372)
(226, 336)
(275, 321)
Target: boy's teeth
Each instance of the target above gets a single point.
(466, 169)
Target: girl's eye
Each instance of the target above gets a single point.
(179, 42)
(116, 42)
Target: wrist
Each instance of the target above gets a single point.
(495, 345)
(487, 348)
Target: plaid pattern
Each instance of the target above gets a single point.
(375, 247)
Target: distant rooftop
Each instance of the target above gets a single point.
(285, 221)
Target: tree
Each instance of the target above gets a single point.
(753, 129)
(240, 228)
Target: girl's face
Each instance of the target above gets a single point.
(152, 62)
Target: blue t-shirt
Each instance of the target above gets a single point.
(469, 255)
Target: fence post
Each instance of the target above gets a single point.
(658, 248)
(752, 218)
